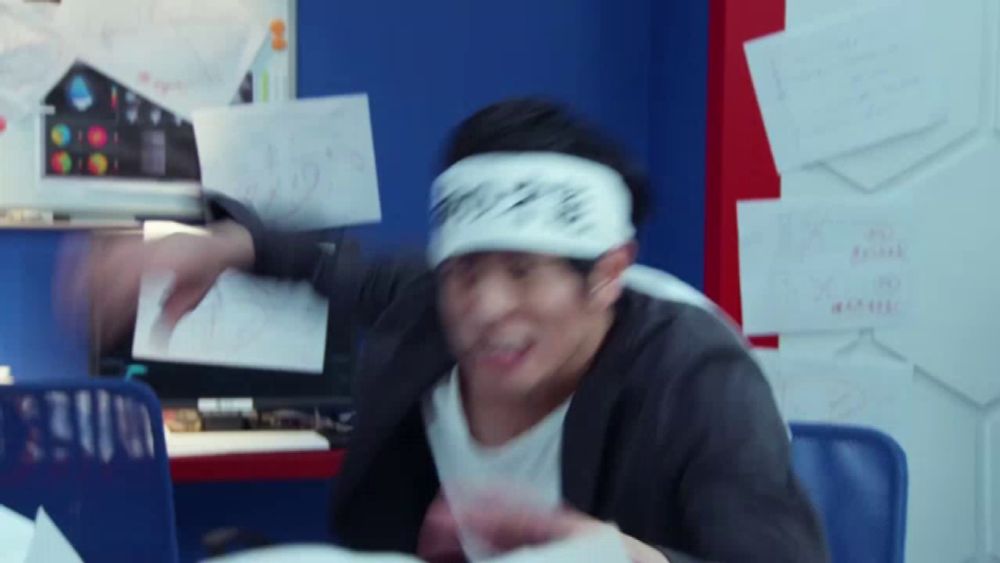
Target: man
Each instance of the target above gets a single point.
(519, 376)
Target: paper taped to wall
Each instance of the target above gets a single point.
(306, 164)
(182, 67)
(855, 80)
(818, 265)
(96, 18)
(33, 58)
(843, 391)
(243, 321)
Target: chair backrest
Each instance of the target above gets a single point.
(91, 453)
(857, 478)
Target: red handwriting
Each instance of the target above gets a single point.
(162, 86)
(871, 306)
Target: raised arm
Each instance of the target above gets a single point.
(109, 277)
(357, 288)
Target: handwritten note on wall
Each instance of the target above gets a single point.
(182, 67)
(304, 164)
(97, 18)
(824, 265)
(243, 321)
(843, 391)
(32, 60)
(850, 82)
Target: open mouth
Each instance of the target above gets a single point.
(502, 357)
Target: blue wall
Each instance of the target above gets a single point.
(32, 341)
(678, 94)
(635, 67)
(427, 65)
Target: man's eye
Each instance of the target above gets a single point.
(460, 271)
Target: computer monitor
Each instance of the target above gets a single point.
(182, 385)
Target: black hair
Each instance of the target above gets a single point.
(535, 124)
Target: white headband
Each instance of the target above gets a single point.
(539, 202)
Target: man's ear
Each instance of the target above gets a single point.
(605, 279)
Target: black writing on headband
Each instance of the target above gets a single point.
(565, 204)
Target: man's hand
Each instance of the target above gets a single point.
(506, 526)
(107, 277)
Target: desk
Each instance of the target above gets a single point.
(251, 455)
(283, 495)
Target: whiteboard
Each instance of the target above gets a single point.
(23, 184)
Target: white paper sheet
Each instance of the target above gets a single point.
(180, 66)
(303, 164)
(850, 82)
(15, 535)
(95, 18)
(10, 111)
(243, 321)
(844, 391)
(310, 554)
(32, 60)
(49, 545)
(816, 265)
(604, 546)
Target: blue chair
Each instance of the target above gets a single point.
(91, 453)
(857, 478)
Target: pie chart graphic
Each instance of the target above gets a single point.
(97, 136)
(61, 163)
(61, 135)
(97, 164)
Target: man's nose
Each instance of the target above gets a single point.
(493, 298)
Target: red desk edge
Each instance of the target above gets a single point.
(272, 466)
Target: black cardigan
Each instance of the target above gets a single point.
(673, 434)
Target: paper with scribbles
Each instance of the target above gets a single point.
(306, 164)
(844, 84)
(820, 265)
(33, 58)
(182, 67)
(866, 392)
(243, 321)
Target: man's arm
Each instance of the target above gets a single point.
(739, 496)
(355, 287)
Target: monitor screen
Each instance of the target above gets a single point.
(183, 384)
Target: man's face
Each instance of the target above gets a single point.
(517, 322)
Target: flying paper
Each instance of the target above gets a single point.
(243, 321)
(307, 164)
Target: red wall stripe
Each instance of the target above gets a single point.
(739, 163)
